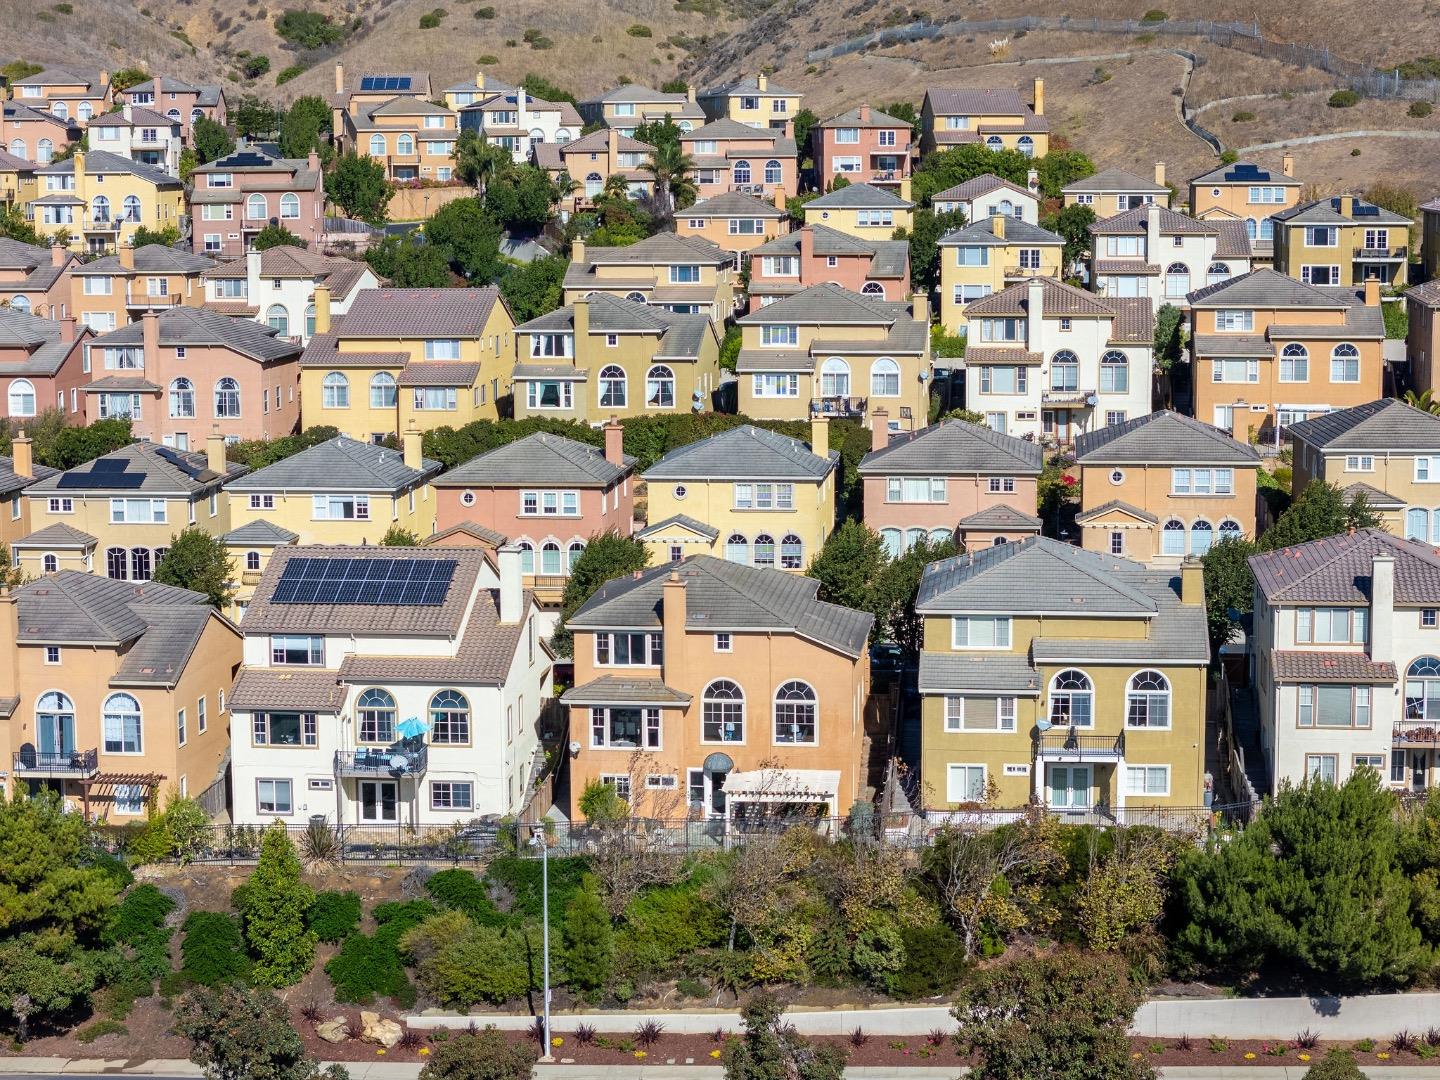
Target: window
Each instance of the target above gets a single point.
(1429, 619)
(915, 489)
(612, 387)
(795, 714)
(1331, 625)
(972, 255)
(723, 713)
(436, 398)
(884, 378)
(1235, 370)
(252, 561)
(383, 394)
(1177, 279)
(340, 507)
(375, 711)
(297, 649)
(764, 551)
(1004, 380)
(1235, 321)
(452, 795)
(723, 643)
(285, 729)
(1320, 275)
(335, 391)
(979, 714)
(227, 399)
(792, 552)
(180, 727)
(137, 511)
(964, 783)
(442, 349)
(660, 387)
(1216, 273)
(1322, 236)
(775, 384)
(1147, 700)
(1294, 364)
(1065, 371)
(1427, 469)
(1114, 373)
(1345, 363)
(875, 218)
(1202, 481)
(1147, 779)
(1202, 536)
(274, 797)
(550, 345)
(1360, 463)
(1002, 330)
(1422, 689)
(623, 728)
(22, 397)
(97, 285)
(764, 496)
(835, 378)
(980, 632)
(633, 649)
(289, 205)
(182, 399)
(773, 173)
(550, 503)
(1117, 543)
(1230, 530)
(449, 718)
(277, 317)
(572, 555)
(1072, 699)
(122, 726)
(779, 335)
(1334, 706)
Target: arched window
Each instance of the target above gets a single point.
(884, 378)
(173, 114)
(1202, 536)
(1006, 208)
(1177, 280)
(1026, 145)
(17, 147)
(1230, 530)
(309, 320)
(55, 723)
(227, 399)
(1072, 700)
(723, 713)
(765, 550)
(252, 560)
(563, 136)
(742, 172)
(1065, 371)
(737, 548)
(375, 710)
(405, 144)
(1422, 689)
(795, 713)
(289, 205)
(449, 718)
(635, 297)
(44, 152)
(278, 318)
(382, 390)
(335, 391)
(1345, 363)
(255, 207)
(196, 114)
(994, 142)
(1267, 228)
(594, 185)
(377, 145)
(1251, 229)
(21, 304)
(140, 564)
(1294, 363)
(685, 127)
(122, 727)
(892, 539)
(117, 563)
(913, 537)
(1172, 538)
(873, 288)
(61, 110)
(527, 557)
(550, 558)
(22, 397)
(792, 552)
(660, 387)
(100, 208)
(572, 555)
(612, 387)
(537, 135)
(1417, 523)
(773, 173)
(49, 564)
(835, 378)
(132, 208)
(940, 536)
(1147, 700)
(1216, 273)
(1115, 373)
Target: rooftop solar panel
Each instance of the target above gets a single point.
(381, 582)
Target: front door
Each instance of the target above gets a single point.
(55, 732)
(1070, 787)
(379, 800)
(1224, 417)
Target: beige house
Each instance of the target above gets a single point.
(684, 275)
(989, 255)
(1113, 191)
(591, 160)
(735, 222)
(752, 100)
(627, 107)
(1249, 192)
(865, 211)
(995, 118)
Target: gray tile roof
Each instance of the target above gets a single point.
(419, 313)
(264, 688)
(634, 92)
(1117, 180)
(978, 187)
(751, 360)
(744, 453)
(1232, 345)
(1245, 172)
(1386, 425)
(171, 633)
(1163, 437)
(1305, 666)
(618, 690)
(723, 595)
(102, 161)
(487, 536)
(260, 533)
(828, 305)
(149, 258)
(339, 464)
(683, 520)
(860, 197)
(183, 325)
(208, 93)
(600, 141)
(1016, 232)
(682, 337)
(163, 470)
(1336, 570)
(1135, 222)
(1000, 517)
(725, 129)
(80, 607)
(484, 657)
(15, 254)
(39, 337)
(564, 372)
(1373, 496)
(539, 458)
(1427, 293)
(662, 249)
(942, 673)
(735, 204)
(58, 535)
(1117, 504)
(1327, 212)
(64, 76)
(877, 119)
(11, 481)
(1264, 288)
(980, 101)
(749, 84)
(954, 448)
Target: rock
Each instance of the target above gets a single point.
(385, 1032)
(334, 1030)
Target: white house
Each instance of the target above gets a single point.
(139, 134)
(1046, 360)
(988, 195)
(1153, 251)
(518, 122)
(285, 288)
(347, 647)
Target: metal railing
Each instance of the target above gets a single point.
(1387, 253)
(837, 406)
(86, 762)
(1071, 742)
(383, 761)
(1031, 271)
(1415, 733)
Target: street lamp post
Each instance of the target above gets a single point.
(537, 839)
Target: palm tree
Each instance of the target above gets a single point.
(477, 162)
(1425, 401)
(673, 170)
(616, 186)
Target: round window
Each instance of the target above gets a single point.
(1215, 192)
(467, 498)
(1117, 476)
(681, 491)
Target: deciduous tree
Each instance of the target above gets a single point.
(605, 557)
(470, 238)
(926, 232)
(211, 140)
(275, 236)
(1320, 510)
(197, 560)
(1229, 587)
(357, 185)
(848, 568)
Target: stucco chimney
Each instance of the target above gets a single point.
(1287, 165)
(67, 327)
(215, 453)
(997, 226)
(1382, 607)
(580, 321)
(820, 435)
(22, 457)
(312, 160)
(1034, 312)
(762, 82)
(879, 429)
(522, 114)
(577, 251)
(1160, 173)
(904, 190)
(779, 197)
(1192, 582)
(673, 615)
(1152, 231)
(411, 447)
(339, 77)
(807, 246)
(126, 254)
(1032, 181)
(322, 309)
(864, 114)
(1039, 97)
(690, 94)
(150, 336)
(58, 255)
(253, 261)
(512, 589)
(920, 307)
(1372, 292)
(790, 128)
(1347, 206)
(614, 442)
(104, 79)
(480, 80)
(125, 109)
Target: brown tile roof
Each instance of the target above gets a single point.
(486, 652)
(1125, 266)
(438, 373)
(1336, 570)
(977, 101)
(1134, 320)
(1294, 665)
(419, 313)
(1135, 222)
(323, 351)
(1059, 299)
(1427, 293)
(982, 354)
(265, 688)
(1233, 242)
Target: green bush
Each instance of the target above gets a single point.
(275, 902)
(1244, 116)
(488, 964)
(519, 879)
(489, 59)
(1154, 15)
(486, 12)
(588, 942)
(308, 29)
(367, 967)
(397, 916)
(934, 962)
(463, 891)
(213, 951)
(431, 19)
(113, 867)
(291, 72)
(1343, 99)
(142, 911)
(90, 1032)
(666, 923)
(638, 30)
(334, 915)
(1420, 109)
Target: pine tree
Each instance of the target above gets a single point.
(589, 941)
(274, 903)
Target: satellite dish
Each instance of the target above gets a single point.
(1092, 401)
(574, 748)
(1043, 724)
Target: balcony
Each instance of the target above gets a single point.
(1020, 273)
(74, 765)
(1069, 744)
(1382, 254)
(838, 407)
(145, 300)
(103, 224)
(402, 759)
(1068, 399)
(1416, 733)
(887, 176)
(549, 589)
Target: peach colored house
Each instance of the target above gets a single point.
(592, 159)
(34, 134)
(735, 222)
(36, 279)
(993, 117)
(41, 366)
(814, 254)
(110, 291)
(864, 145)
(709, 689)
(1422, 340)
(69, 93)
(179, 100)
(951, 480)
(731, 156)
(237, 196)
(185, 372)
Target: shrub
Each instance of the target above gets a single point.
(275, 902)
(291, 72)
(431, 19)
(308, 29)
(65, 9)
(1343, 99)
(536, 40)
(486, 965)
(638, 30)
(367, 967)
(589, 942)
(1244, 116)
(397, 916)
(98, 1030)
(1420, 109)
(255, 66)
(463, 891)
(934, 962)
(483, 1054)
(334, 916)
(489, 58)
(1154, 15)
(666, 923)
(213, 951)
(520, 879)
(143, 909)
(1355, 152)
(486, 12)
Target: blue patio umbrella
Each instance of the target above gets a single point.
(412, 727)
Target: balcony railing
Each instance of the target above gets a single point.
(549, 589)
(888, 176)
(145, 300)
(75, 763)
(1031, 271)
(396, 760)
(1068, 399)
(1070, 743)
(1416, 733)
(1382, 254)
(837, 406)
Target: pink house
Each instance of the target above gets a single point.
(817, 254)
(864, 145)
(34, 134)
(731, 156)
(949, 480)
(180, 101)
(185, 372)
(238, 195)
(41, 366)
(36, 279)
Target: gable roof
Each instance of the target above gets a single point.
(76, 606)
(852, 118)
(749, 84)
(1017, 231)
(1057, 299)
(1114, 180)
(1135, 222)
(41, 338)
(684, 521)
(1000, 516)
(682, 337)
(1336, 570)
(339, 464)
(419, 313)
(260, 533)
(539, 456)
(1035, 575)
(162, 470)
(979, 101)
(1386, 424)
(184, 325)
(1245, 172)
(149, 258)
(724, 128)
(744, 453)
(662, 248)
(63, 76)
(1163, 437)
(828, 305)
(208, 93)
(735, 204)
(1265, 288)
(952, 448)
(979, 186)
(600, 141)
(11, 481)
(1117, 505)
(102, 161)
(860, 197)
(1327, 212)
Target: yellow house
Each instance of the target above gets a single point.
(115, 290)
(98, 200)
(862, 210)
(1068, 677)
(1342, 240)
(414, 139)
(1113, 191)
(993, 117)
(117, 515)
(748, 495)
(18, 472)
(602, 357)
(407, 358)
(1250, 192)
(752, 100)
(987, 256)
(736, 222)
(18, 184)
(686, 275)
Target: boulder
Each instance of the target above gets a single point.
(385, 1032)
(334, 1030)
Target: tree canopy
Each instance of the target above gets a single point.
(275, 236)
(357, 185)
(605, 558)
(197, 560)
(469, 236)
(237, 1033)
(211, 140)
(926, 232)
(410, 263)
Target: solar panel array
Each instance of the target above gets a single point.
(1244, 171)
(109, 474)
(385, 82)
(245, 159)
(382, 582)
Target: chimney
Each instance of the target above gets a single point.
(511, 588)
(322, 309)
(253, 260)
(1347, 206)
(807, 247)
(215, 452)
(762, 82)
(104, 79)
(312, 160)
(1372, 292)
(58, 255)
(1160, 173)
(864, 114)
(1039, 97)
(22, 459)
(1032, 181)
(411, 448)
(1382, 607)
(673, 616)
(339, 77)
(480, 81)
(920, 308)
(614, 442)
(522, 116)
(1192, 582)
(150, 334)
(789, 128)
(879, 429)
(997, 226)
(779, 197)
(126, 254)
(1034, 313)
(820, 435)
(1152, 232)
(577, 251)
(67, 327)
(1287, 165)
(580, 321)
(904, 190)
(125, 109)
(690, 94)
(159, 89)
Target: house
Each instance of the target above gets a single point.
(407, 358)
(870, 213)
(184, 373)
(547, 495)
(1162, 486)
(99, 199)
(1067, 677)
(750, 495)
(42, 365)
(864, 145)
(250, 548)
(116, 516)
(593, 159)
(18, 185)
(1248, 192)
(484, 86)
(116, 693)
(685, 275)
(751, 100)
(35, 280)
(179, 100)
(1163, 254)
(1384, 449)
(1290, 350)
(731, 156)
(67, 93)
(1430, 240)
(112, 290)
(815, 254)
(735, 222)
(995, 118)
(139, 134)
(988, 195)
(34, 134)
(240, 194)
(1113, 191)
(1342, 240)
(513, 119)
(603, 357)
(627, 107)
(668, 665)
(18, 472)
(414, 139)
(359, 661)
(367, 91)
(986, 256)
(1422, 335)
(949, 481)
(1051, 361)
(826, 351)
(285, 287)
(1338, 623)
